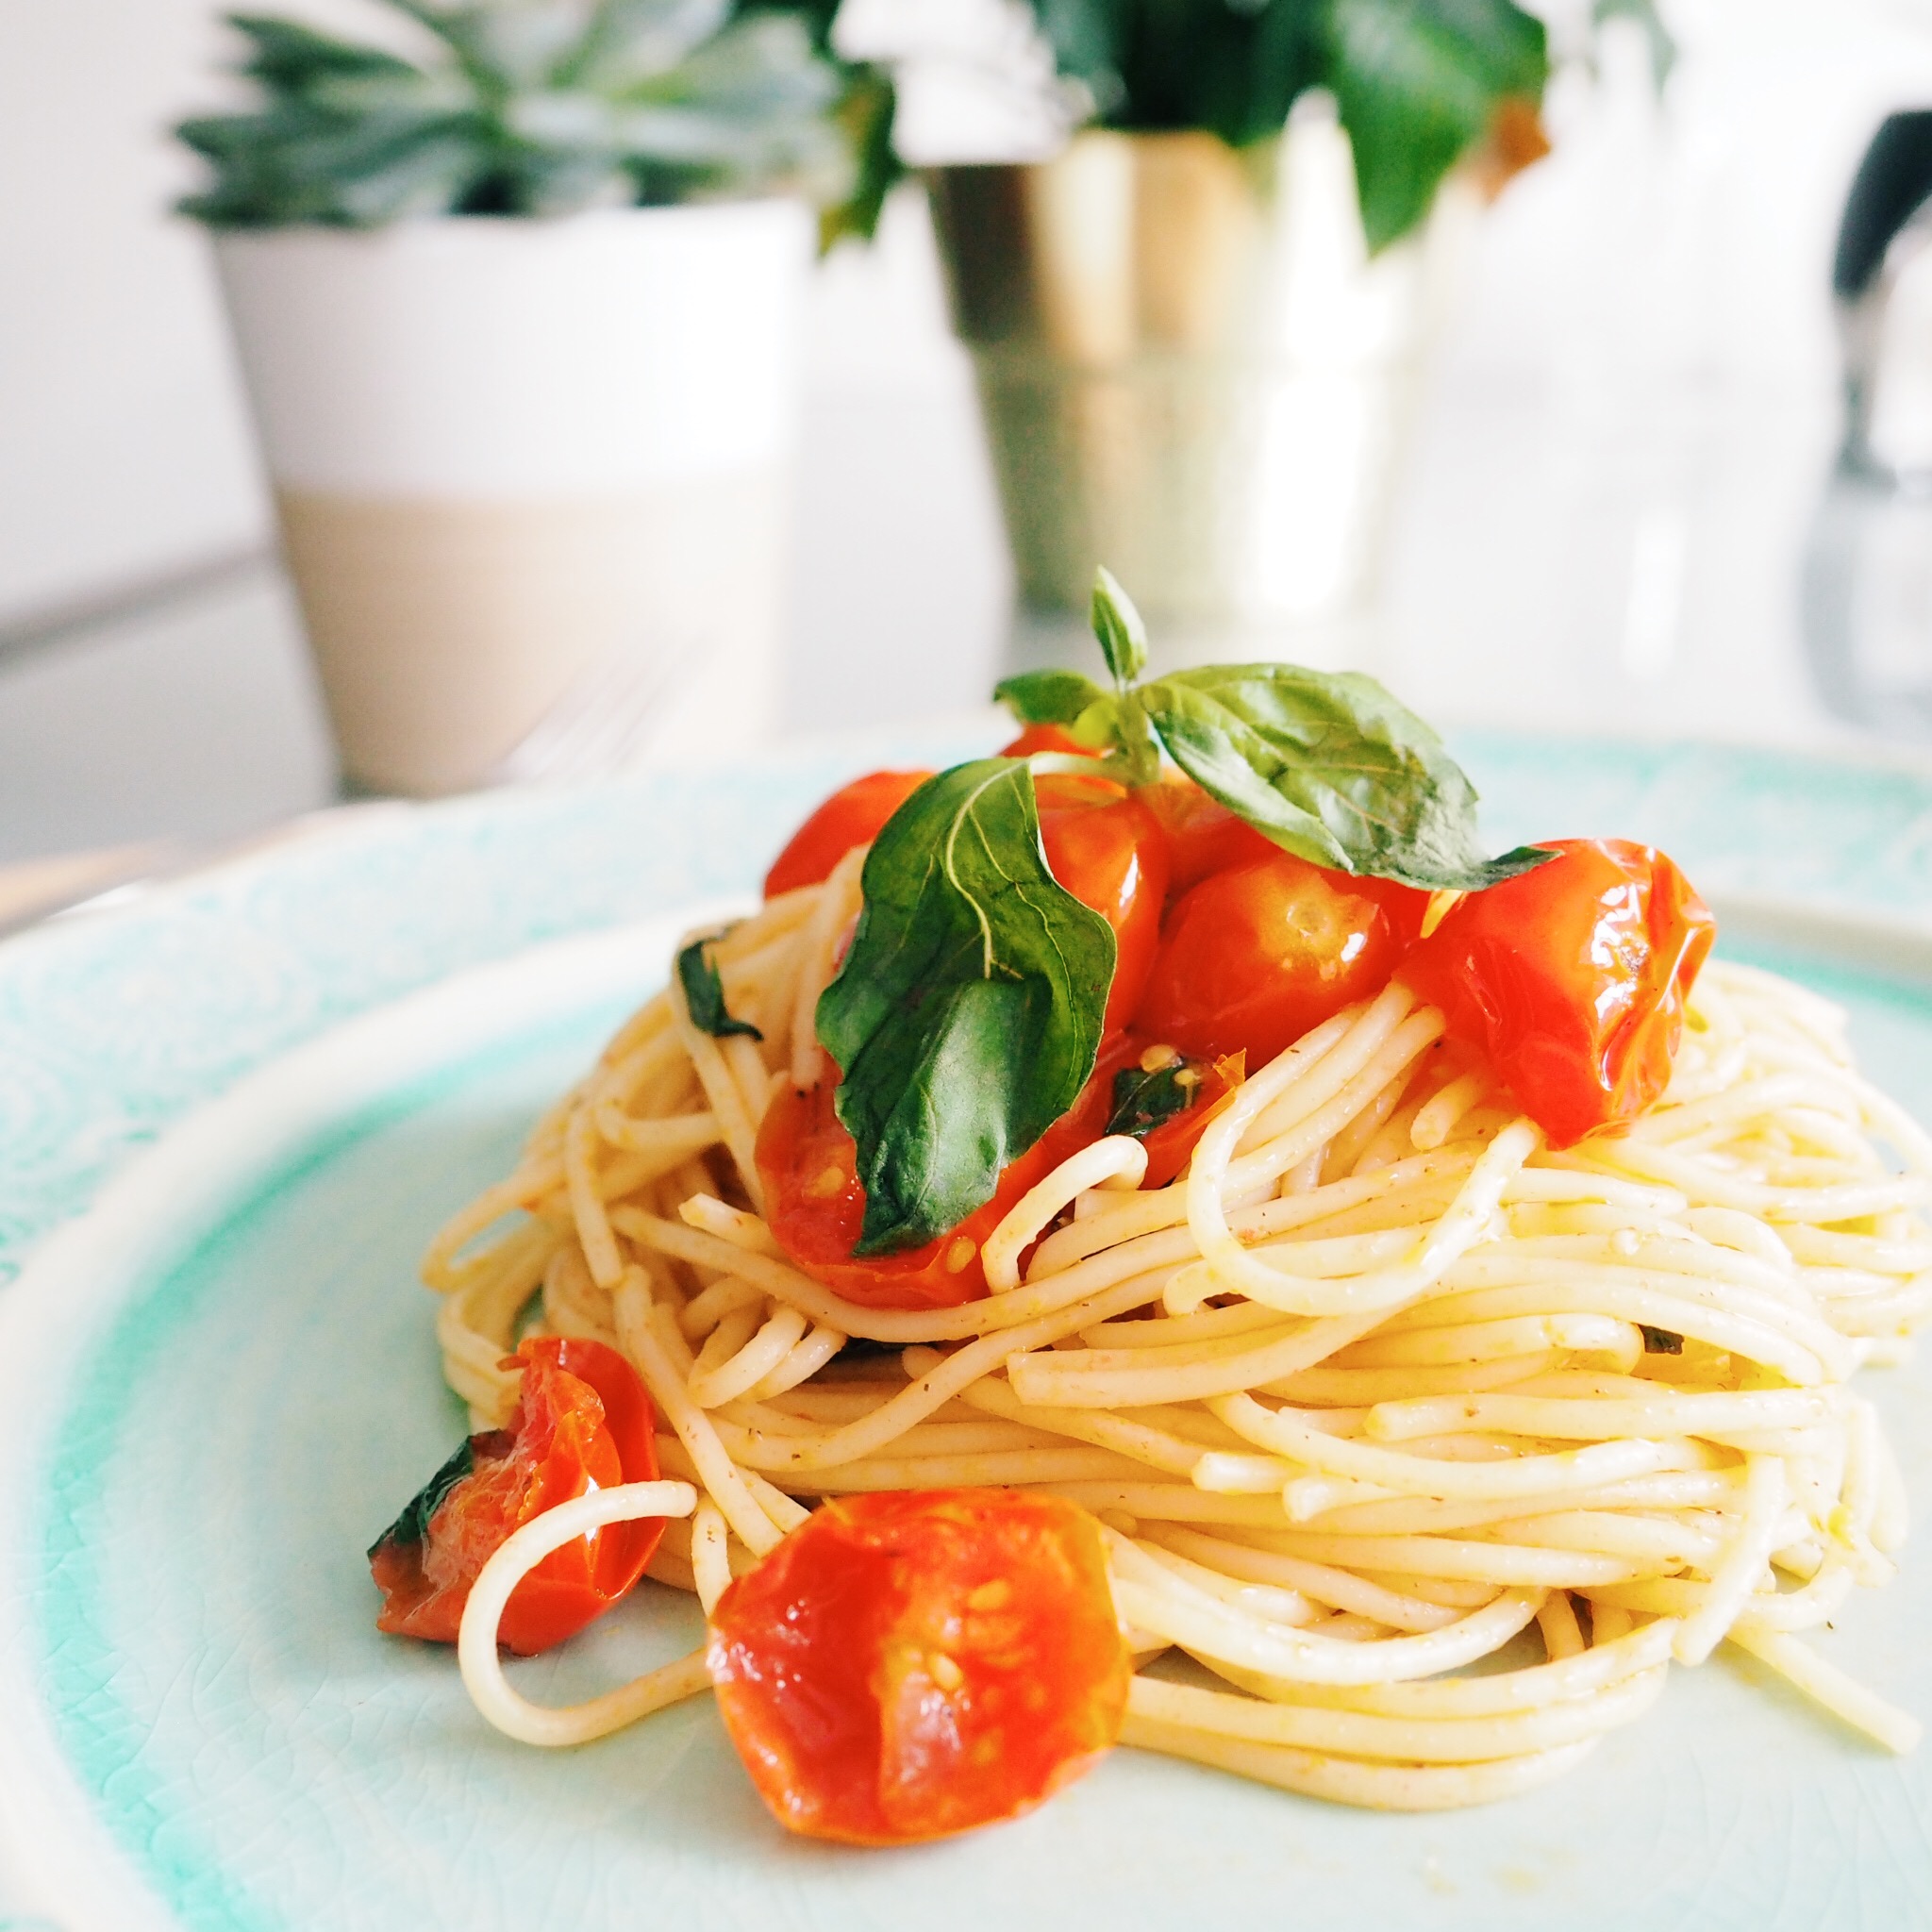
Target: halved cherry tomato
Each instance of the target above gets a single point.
(1203, 836)
(583, 1419)
(1038, 738)
(1572, 978)
(1117, 863)
(815, 1205)
(1251, 958)
(854, 815)
(906, 1666)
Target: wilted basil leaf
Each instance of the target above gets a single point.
(412, 1525)
(704, 991)
(967, 1015)
(1143, 1101)
(1047, 697)
(1331, 768)
(1662, 1341)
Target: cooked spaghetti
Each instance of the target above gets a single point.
(1379, 1387)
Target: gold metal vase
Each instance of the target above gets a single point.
(1192, 371)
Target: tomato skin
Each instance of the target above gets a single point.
(582, 1418)
(854, 815)
(1110, 851)
(815, 1205)
(1251, 957)
(1572, 980)
(1203, 836)
(1040, 738)
(909, 1665)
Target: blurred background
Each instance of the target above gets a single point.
(1600, 486)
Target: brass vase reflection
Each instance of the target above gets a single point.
(1190, 371)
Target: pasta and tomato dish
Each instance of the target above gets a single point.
(1151, 1238)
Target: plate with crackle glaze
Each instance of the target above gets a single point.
(230, 1116)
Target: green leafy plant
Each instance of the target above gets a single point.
(1419, 83)
(967, 1016)
(1143, 1100)
(545, 107)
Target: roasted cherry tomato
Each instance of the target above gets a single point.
(854, 815)
(815, 1205)
(906, 1666)
(1572, 980)
(1038, 738)
(1109, 850)
(1251, 958)
(582, 1419)
(1203, 836)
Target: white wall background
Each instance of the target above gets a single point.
(1624, 439)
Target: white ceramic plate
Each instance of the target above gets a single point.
(222, 1382)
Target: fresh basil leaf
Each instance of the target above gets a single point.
(1047, 697)
(704, 991)
(967, 1015)
(1143, 1101)
(412, 1525)
(1662, 1341)
(1118, 624)
(1331, 768)
(1417, 83)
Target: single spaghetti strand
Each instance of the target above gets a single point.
(520, 1553)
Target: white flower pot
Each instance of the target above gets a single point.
(532, 478)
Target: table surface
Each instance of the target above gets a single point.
(1550, 567)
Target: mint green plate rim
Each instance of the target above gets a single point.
(509, 889)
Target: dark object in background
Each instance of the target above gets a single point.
(1868, 571)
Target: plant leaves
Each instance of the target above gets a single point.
(1418, 83)
(967, 1015)
(545, 106)
(1047, 697)
(1331, 768)
(286, 54)
(1118, 627)
(1232, 67)
(704, 991)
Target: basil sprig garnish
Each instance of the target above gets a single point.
(1326, 763)
(967, 1015)
(704, 991)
